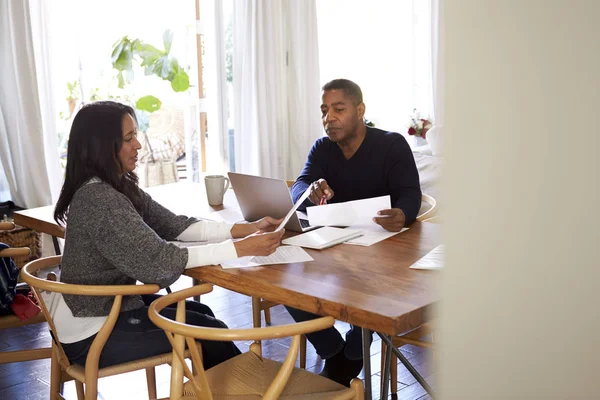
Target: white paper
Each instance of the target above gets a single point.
(433, 260)
(293, 210)
(283, 255)
(371, 234)
(229, 215)
(349, 213)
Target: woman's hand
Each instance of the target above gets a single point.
(266, 224)
(259, 244)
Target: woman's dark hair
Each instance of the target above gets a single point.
(94, 143)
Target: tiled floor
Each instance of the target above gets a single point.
(30, 380)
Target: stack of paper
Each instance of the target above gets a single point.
(357, 215)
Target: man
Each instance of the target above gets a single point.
(355, 162)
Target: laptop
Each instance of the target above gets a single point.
(259, 197)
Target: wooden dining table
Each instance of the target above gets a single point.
(368, 286)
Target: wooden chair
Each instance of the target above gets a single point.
(415, 336)
(12, 321)
(427, 199)
(248, 375)
(61, 368)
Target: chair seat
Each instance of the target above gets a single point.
(248, 376)
(78, 372)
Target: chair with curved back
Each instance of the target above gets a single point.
(248, 375)
(12, 321)
(88, 375)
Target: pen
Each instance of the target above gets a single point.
(323, 201)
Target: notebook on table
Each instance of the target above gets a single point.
(322, 238)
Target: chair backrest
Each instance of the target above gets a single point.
(178, 329)
(9, 273)
(14, 251)
(425, 198)
(290, 183)
(38, 285)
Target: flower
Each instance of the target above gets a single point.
(418, 126)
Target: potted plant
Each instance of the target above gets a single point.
(158, 62)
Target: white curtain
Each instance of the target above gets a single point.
(276, 85)
(28, 142)
(215, 81)
(437, 61)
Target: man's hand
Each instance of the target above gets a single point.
(318, 190)
(392, 219)
(259, 244)
(267, 224)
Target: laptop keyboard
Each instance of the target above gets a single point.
(304, 223)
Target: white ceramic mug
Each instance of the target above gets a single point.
(216, 185)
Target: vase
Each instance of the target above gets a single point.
(435, 140)
(417, 141)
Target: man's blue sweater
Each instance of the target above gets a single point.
(382, 165)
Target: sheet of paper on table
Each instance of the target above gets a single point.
(372, 233)
(283, 255)
(433, 260)
(349, 213)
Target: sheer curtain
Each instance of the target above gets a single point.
(28, 142)
(385, 47)
(437, 61)
(276, 85)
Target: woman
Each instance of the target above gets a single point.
(116, 234)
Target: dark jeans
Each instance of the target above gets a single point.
(135, 336)
(329, 342)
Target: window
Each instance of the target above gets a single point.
(83, 35)
(383, 46)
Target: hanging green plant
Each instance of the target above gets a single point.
(155, 62)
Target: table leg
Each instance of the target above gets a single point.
(56, 245)
(386, 371)
(366, 334)
(408, 365)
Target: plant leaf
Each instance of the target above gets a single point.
(167, 40)
(148, 104)
(148, 53)
(181, 82)
(121, 80)
(117, 48)
(125, 59)
(143, 120)
(162, 67)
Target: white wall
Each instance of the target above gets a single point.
(521, 315)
